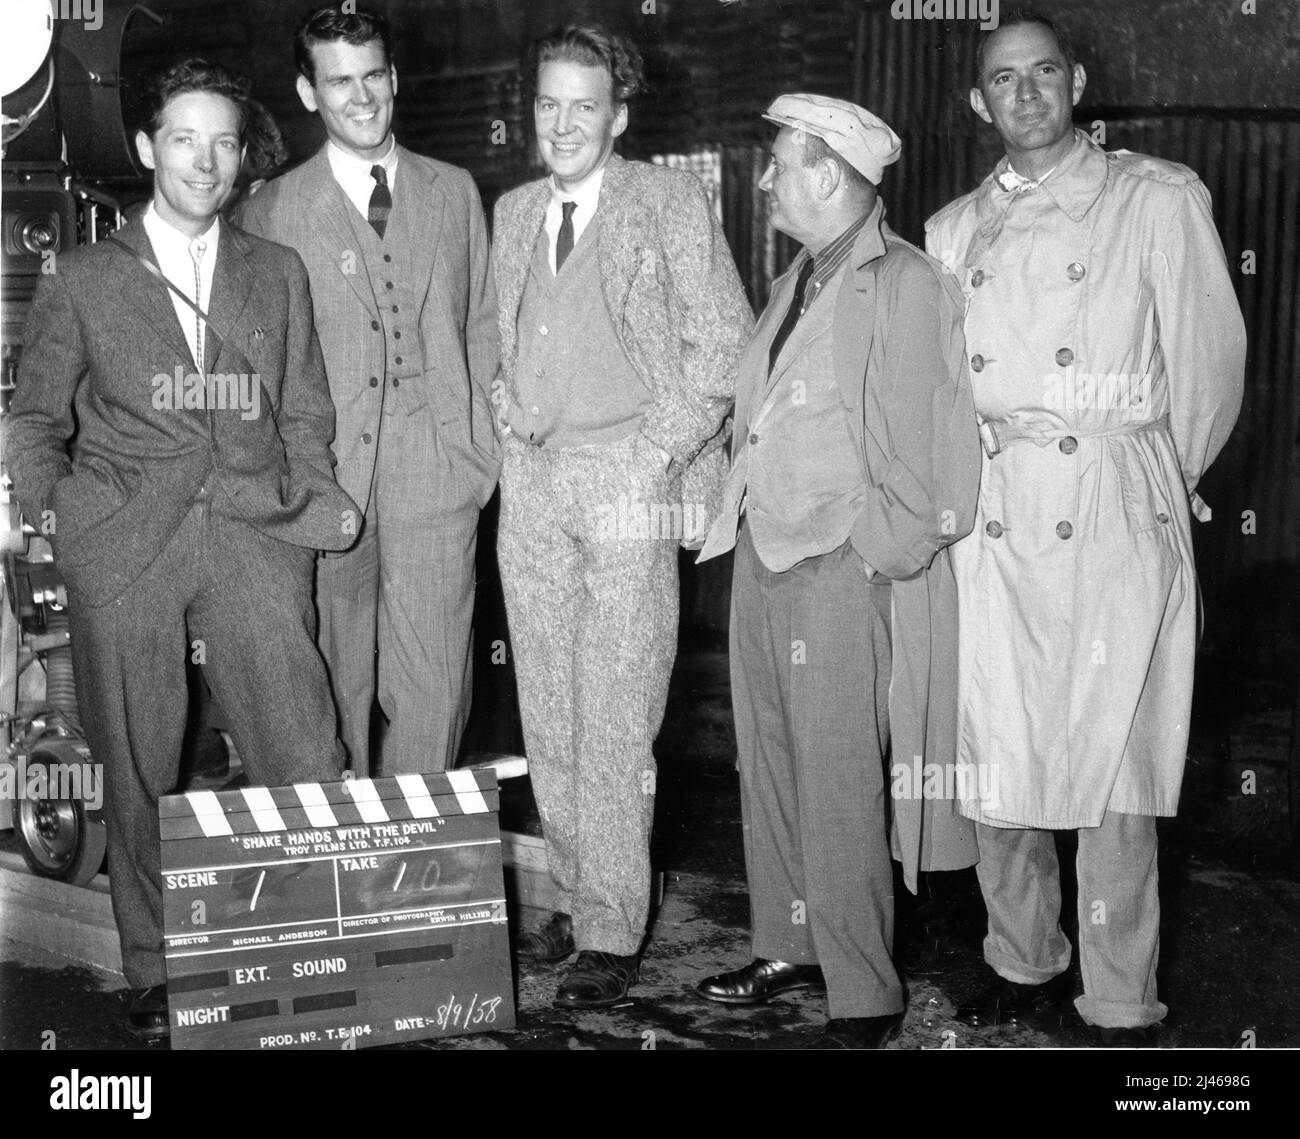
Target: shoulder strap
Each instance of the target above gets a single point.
(157, 272)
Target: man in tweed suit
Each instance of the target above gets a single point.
(396, 247)
(621, 321)
(182, 526)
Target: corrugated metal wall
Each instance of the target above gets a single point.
(913, 74)
(715, 66)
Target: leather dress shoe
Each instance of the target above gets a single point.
(147, 1013)
(759, 981)
(1011, 1003)
(551, 941)
(1135, 1037)
(597, 980)
(860, 1031)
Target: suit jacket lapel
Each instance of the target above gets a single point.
(855, 329)
(422, 203)
(154, 299)
(232, 284)
(517, 241)
(621, 248)
(322, 198)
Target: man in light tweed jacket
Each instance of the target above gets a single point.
(396, 248)
(622, 319)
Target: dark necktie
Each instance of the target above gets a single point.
(564, 242)
(792, 313)
(381, 200)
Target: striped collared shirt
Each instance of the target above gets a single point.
(827, 263)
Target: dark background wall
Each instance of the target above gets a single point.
(1197, 81)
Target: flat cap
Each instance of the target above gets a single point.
(865, 142)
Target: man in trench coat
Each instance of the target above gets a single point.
(855, 463)
(1107, 354)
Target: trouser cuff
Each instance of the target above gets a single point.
(1119, 1014)
(1013, 969)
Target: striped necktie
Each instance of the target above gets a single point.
(381, 200)
(197, 250)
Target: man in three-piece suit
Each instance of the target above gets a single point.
(181, 466)
(621, 318)
(856, 462)
(396, 248)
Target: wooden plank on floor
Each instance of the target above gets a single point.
(72, 921)
(528, 877)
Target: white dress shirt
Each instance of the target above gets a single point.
(176, 260)
(353, 173)
(586, 197)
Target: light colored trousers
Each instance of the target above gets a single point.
(592, 606)
(396, 610)
(1119, 914)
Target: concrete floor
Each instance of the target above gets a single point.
(1231, 911)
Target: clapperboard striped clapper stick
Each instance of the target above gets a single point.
(335, 915)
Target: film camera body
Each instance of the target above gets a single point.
(68, 174)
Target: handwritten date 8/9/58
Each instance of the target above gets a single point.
(454, 1014)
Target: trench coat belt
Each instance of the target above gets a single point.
(997, 436)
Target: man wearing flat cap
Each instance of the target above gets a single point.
(855, 462)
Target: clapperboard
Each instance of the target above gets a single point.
(335, 915)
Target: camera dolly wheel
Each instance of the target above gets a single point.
(59, 837)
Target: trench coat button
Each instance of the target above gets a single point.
(374, 326)
(374, 381)
(397, 359)
(396, 382)
(977, 363)
(366, 437)
(753, 440)
(977, 278)
(993, 529)
(1068, 445)
(388, 285)
(1064, 530)
(537, 411)
(1162, 517)
(397, 335)
(1075, 271)
(1064, 357)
